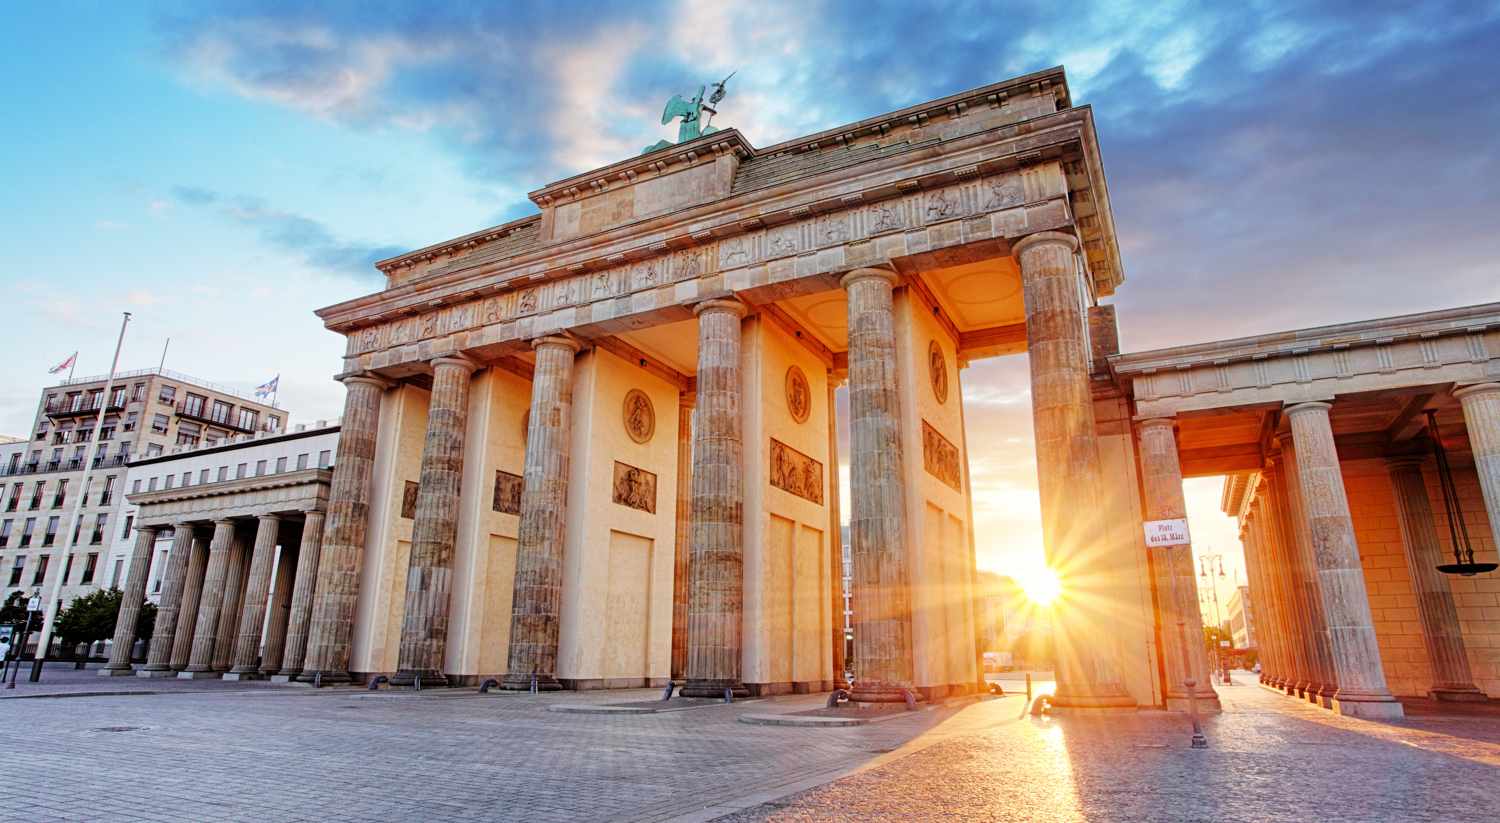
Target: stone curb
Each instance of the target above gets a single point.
(835, 722)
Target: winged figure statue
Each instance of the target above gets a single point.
(693, 124)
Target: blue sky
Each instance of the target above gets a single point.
(222, 170)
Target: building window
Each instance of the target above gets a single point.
(5, 534)
(324, 458)
(68, 569)
(221, 412)
(107, 431)
(187, 478)
(168, 481)
(109, 487)
(273, 423)
(41, 569)
(248, 418)
(77, 528)
(50, 536)
(168, 394)
(139, 392)
(195, 404)
(260, 468)
(151, 484)
(130, 418)
(187, 433)
(223, 473)
(203, 477)
(239, 471)
(280, 465)
(135, 486)
(36, 495)
(129, 521)
(15, 571)
(118, 398)
(101, 524)
(61, 494)
(159, 423)
(15, 498)
(153, 450)
(26, 531)
(89, 567)
(301, 461)
(114, 580)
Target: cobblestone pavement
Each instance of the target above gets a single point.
(1269, 758)
(292, 753)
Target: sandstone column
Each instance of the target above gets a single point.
(1268, 637)
(278, 612)
(1176, 583)
(537, 604)
(232, 605)
(429, 576)
(187, 613)
(130, 602)
(836, 536)
(337, 592)
(1318, 679)
(684, 535)
(878, 548)
(1441, 633)
(169, 612)
(302, 595)
(257, 588)
(205, 632)
(1481, 404)
(716, 566)
(1361, 690)
(1068, 467)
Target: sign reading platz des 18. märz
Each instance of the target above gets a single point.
(1162, 533)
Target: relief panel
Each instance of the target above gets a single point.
(796, 473)
(940, 457)
(635, 488)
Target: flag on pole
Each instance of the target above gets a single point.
(267, 388)
(64, 365)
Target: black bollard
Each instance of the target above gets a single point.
(375, 682)
(728, 695)
(667, 695)
(837, 697)
(484, 688)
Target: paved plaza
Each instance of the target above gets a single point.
(157, 751)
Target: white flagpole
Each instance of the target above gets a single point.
(72, 366)
(70, 536)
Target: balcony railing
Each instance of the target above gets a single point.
(53, 465)
(112, 460)
(211, 417)
(60, 410)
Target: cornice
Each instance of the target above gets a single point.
(703, 149)
(467, 241)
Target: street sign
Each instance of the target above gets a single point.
(1162, 533)
(34, 604)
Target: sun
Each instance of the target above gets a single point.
(1040, 584)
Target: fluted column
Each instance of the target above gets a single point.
(1272, 549)
(429, 574)
(205, 632)
(169, 612)
(187, 613)
(1268, 638)
(1176, 584)
(836, 537)
(130, 602)
(683, 542)
(716, 566)
(1362, 689)
(1317, 679)
(337, 592)
(302, 595)
(877, 494)
(1297, 621)
(257, 589)
(1068, 468)
(537, 603)
(232, 605)
(1441, 633)
(278, 611)
(1481, 404)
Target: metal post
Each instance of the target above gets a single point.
(50, 615)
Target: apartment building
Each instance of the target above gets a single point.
(147, 412)
(1241, 618)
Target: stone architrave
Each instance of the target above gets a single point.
(232, 605)
(336, 595)
(429, 575)
(130, 603)
(1185, 658)
(1442, 635)
(1362, 690)
(716, 566)
(278, 612)
(300, 614)
(684, 532)
(257, 589)
(205, 632)
(877, 494)
(1068, 465)
(537, 603)
(169, 611)
(187, 613)
(1481, 404)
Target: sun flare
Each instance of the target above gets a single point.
(1040, 584)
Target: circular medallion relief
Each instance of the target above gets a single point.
(798, 394)
(640, 418)
(937, 368)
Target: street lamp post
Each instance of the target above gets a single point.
(1205, 566)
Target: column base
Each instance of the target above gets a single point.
(522, 683)
(108, 672)
(156, 673)
(330, 678)
(714, 688)
(192, 675)
(1369, 708)
(430, 679)
(1468, 694)
(882, 693)
(238, 675)
(1114, 701)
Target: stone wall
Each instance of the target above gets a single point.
(1477, 598)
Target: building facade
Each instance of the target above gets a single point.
(147, 413)
(1241, 618)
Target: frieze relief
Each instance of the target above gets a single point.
(409, 500)
(940, 457)
(812, 233)
(796, 473)
(635, 488)
(507, 495)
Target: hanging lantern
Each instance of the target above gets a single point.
(1458, 531)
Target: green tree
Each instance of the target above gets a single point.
(91, 618)
(14, 610)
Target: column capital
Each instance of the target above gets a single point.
(366, 378)
(866, 273)
(1311, 405)
(224, 521)
(721, 304)
(1041, 239)
(461, 361)
(268, 516)
(1156, 423)
(557, 341)
(1475, 389)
